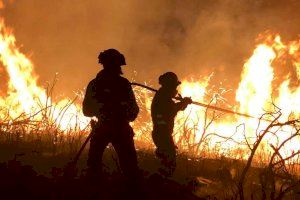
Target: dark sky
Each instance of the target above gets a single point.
(191, 37)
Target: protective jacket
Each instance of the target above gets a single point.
(164, 110)
(109, 97)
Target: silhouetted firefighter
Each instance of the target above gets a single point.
(110, 98)
(163, 112)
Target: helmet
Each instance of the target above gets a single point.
(169, 79)
(111, 56)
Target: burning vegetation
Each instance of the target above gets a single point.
(260, 91)
(271, 139)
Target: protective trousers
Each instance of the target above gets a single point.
(121, 137)
(165, 150)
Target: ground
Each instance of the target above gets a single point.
(43, 173)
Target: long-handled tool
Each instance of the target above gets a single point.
(200, 104)
(76, 158)
(71, 166)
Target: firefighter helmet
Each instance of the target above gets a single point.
(169, 79)
(111, 56)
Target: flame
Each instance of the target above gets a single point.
(256, 82)
(196, 90)
(255, 96)
(196, 128)
(23, 93)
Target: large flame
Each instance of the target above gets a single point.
(24, 96)
(256, 83)
(255, 96)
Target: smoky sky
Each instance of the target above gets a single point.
(189, 37)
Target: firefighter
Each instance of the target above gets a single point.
(163, 113)
(110, 98)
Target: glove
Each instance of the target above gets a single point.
(187, 100)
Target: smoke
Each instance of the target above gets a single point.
(191, 38)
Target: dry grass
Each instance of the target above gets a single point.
(261, 176)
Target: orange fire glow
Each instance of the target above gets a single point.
(254, 96)
(24, 96)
